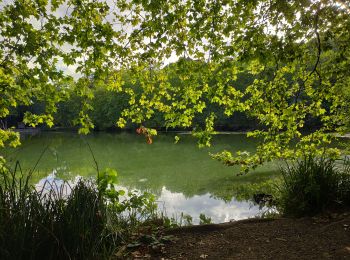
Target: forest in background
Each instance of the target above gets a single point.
(107, 107)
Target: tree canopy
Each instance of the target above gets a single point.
(184, 56)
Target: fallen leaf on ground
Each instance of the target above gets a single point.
(281, 239)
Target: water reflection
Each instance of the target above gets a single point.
(181, 168)
(219, 211)
(60, 188)
(173, 204)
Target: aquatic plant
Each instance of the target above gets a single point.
(88, 223)
(313, 185)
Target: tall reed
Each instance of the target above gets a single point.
(50, 224)
(313, 185)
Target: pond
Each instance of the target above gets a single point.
(184, 178)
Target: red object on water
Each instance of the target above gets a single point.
(149, 140)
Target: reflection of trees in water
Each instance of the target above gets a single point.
(181, 168)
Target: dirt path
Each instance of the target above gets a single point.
(305, 238)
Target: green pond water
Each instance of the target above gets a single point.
(183, 177)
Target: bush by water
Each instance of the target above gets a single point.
(313, 185)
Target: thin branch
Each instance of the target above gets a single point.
(94, 159)
(318, 41)
(39, 159)
(314, 70)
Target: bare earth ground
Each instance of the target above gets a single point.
(323, 237)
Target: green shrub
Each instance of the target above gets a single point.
(88, 223)
(313, 185)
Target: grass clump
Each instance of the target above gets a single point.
(313, 185)
(89, 222)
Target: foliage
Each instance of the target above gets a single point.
(203, 219)
(147, 132)
(108, 106)
(313, 185)
(186, 220)
(294, 53)
(291, 50)
(82, 221)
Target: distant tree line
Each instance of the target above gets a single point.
(107, 107)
